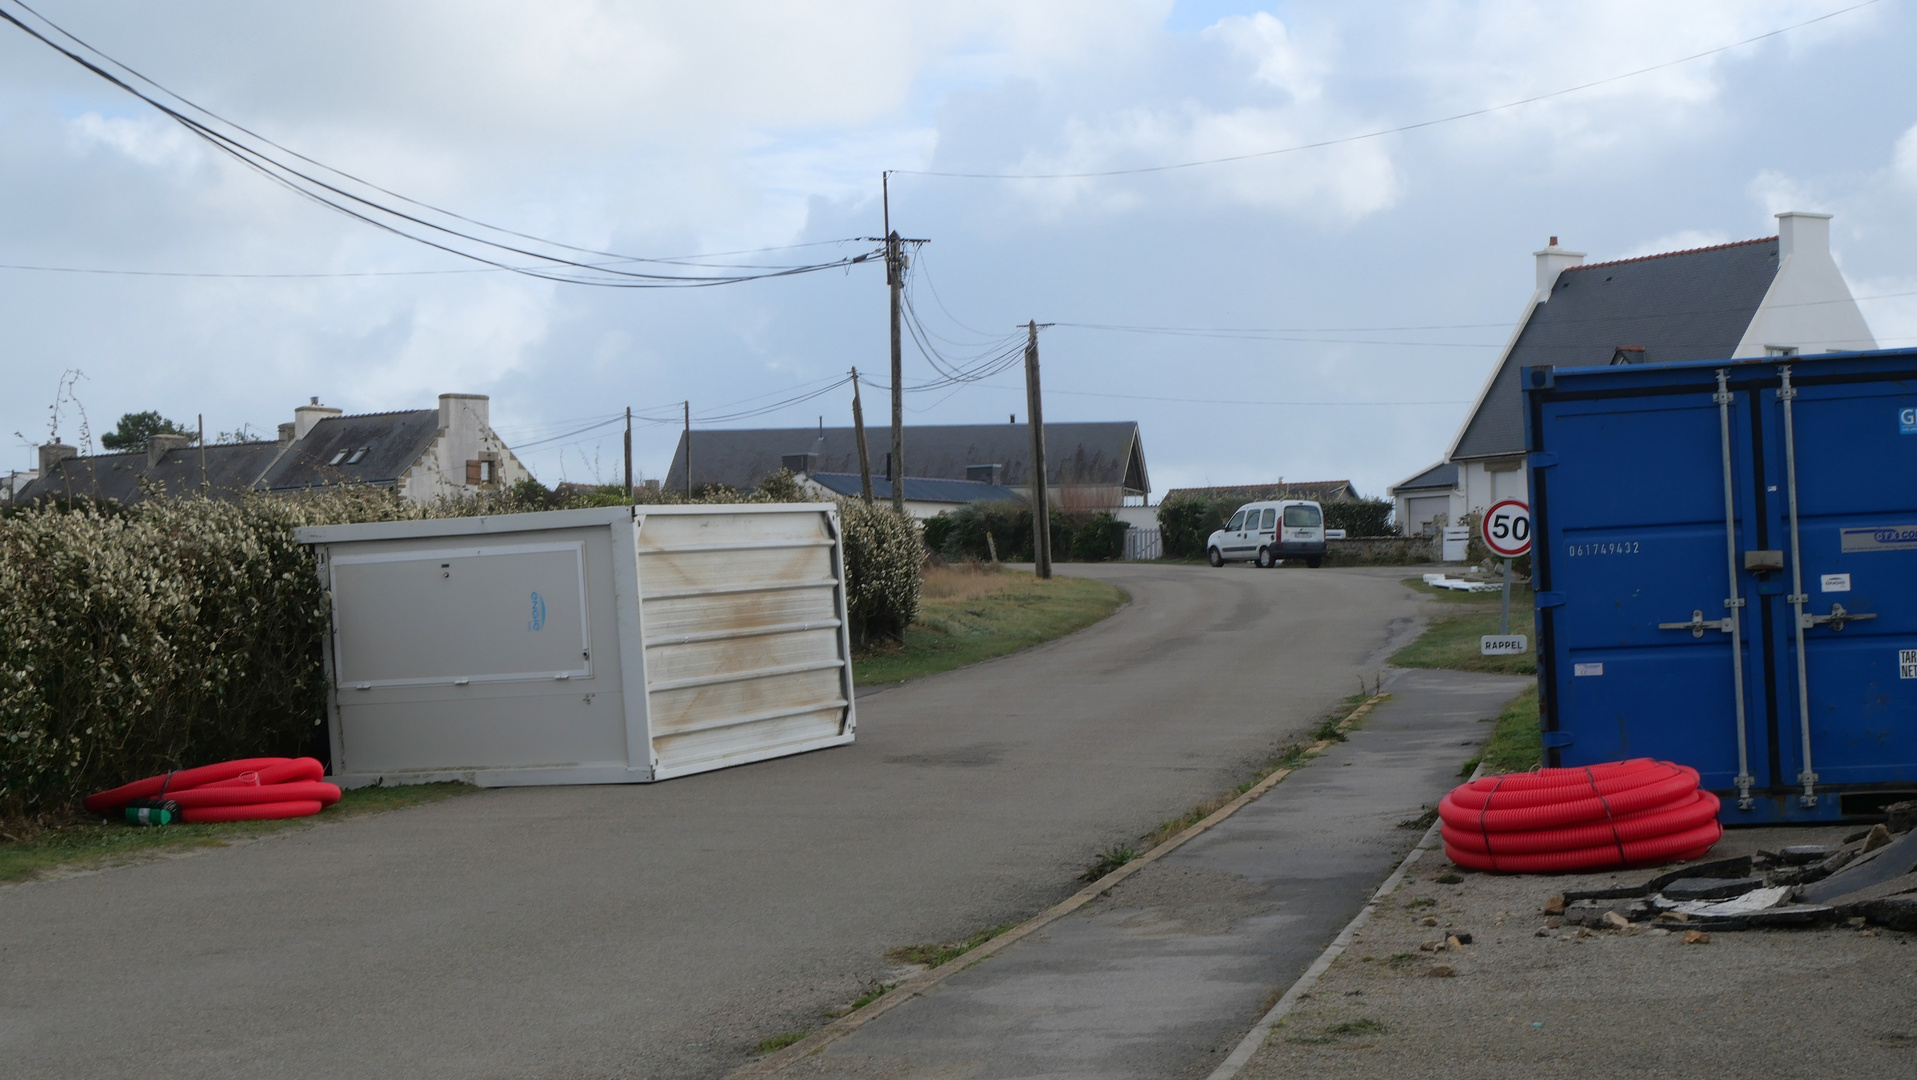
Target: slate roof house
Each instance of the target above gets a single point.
(1774, 296)
(1088, 465)
(1315, 490)
(422, 453)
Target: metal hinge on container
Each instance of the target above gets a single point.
(1541, 459)
(1560, 738)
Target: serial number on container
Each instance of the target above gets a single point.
(1613, 547)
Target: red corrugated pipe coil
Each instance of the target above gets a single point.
(1622, 813)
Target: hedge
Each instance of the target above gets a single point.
(180, 631)
(1184, 523)
(1077, 536)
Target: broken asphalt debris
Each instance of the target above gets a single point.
(1872, 879)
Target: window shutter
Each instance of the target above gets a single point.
(472, 472)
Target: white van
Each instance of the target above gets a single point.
(1265, 532)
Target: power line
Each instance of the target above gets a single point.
(218, 131)
(1380, 133)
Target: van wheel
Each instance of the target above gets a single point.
(1315, 561)
(1215, 557)
(1265, 561)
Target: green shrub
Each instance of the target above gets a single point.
(1359, 517)
(1009, 523)
(1099, 538)
(883, 560)
(935, 530)
(1186, 521)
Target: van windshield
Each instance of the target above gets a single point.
(1303, 517)
(1236, 520)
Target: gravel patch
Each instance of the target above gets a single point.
(1831, 1002)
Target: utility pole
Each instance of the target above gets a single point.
(688, 405)
(895, 278)
(858, 432)
(629, 453)
(200, 419)
(1041, 499)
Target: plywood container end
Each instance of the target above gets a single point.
(608, 645)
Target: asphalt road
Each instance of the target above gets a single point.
(664, 930)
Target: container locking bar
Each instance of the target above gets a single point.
(1699, 624)
(1836, 619)
(1786, 393)
(1734, 603)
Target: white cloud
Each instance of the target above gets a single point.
(1904, 157)
(1683, 240)
(1281, 61)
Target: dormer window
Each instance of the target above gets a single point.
(357, 455)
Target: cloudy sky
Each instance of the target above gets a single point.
(1382, 274)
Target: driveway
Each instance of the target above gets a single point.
(664, 930)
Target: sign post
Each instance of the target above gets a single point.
(1506, 529)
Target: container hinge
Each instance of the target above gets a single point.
(1560, 738)
(1722, 397)
(1744, 782)
(1541, 459)
(1837, 617)
(1698, 624)
(1548, 600)
(1734, 602)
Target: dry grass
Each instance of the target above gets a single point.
(963, 581)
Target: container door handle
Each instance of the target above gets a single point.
(1699, 624)
(1837, 617)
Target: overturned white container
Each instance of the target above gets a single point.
(609, 645)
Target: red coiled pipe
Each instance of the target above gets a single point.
(1558, 820)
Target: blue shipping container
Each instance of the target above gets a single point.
(1725, 559)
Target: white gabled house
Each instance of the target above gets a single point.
(1774, 296)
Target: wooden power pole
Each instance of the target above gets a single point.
(858, 433)
(895, 278)
(1041, 499)
(628, 453)
(688, 405)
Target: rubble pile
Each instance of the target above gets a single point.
(1871, 879)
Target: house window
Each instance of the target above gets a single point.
(357, 455)
(337, 458)
(479, 471)
(1780, 350)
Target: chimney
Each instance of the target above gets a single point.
(464, 412)
(985, 474)
(157, 446)
(306, 416)
(1552, 261)
(286, 434)
(52, 454)
(800, 464)
(1803, 233)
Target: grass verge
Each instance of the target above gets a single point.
(970, 613)
(780, 1041)
(1451, 640)
(89, 845)
(1516, 744)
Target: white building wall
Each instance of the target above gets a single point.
(1809, 306)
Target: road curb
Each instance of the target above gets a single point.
(1255, 1038)
(925, 981)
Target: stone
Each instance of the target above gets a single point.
(1583, 913)
(1657, 931)
(1901, 817)
(1545, 931)
(1441, 971)
(1553, 922)
(1613, 921)
(1554, 905)
(1896, 912)
(1463, 938)
(1710, 888)
(1696, 937)
(1878, 837)
(1429, 946)
(1799, 854)
(1452, 944)
(1428, 920)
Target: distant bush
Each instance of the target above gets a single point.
(1359, 517)
(1100, 538)
(1185, 522)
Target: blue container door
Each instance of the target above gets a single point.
(1637, 543)
(1856, 468)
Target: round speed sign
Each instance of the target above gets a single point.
(1507, 528)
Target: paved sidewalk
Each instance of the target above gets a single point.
(1161, 977)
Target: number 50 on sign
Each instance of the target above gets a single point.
(1506, 528)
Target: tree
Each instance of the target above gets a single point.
(136, 427)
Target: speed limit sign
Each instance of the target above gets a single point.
(1507, 528)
